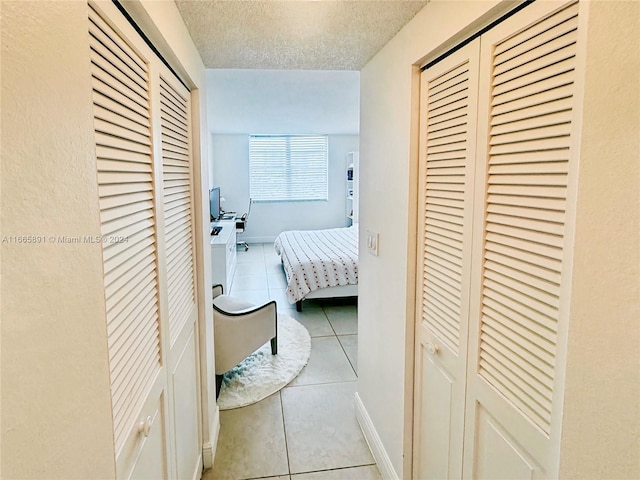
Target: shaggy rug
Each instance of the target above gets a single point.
(261, 374)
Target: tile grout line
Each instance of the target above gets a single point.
(284, 425)
(284, 428)
(346, 355)
(335, 334)
(339, 342)
(334, 469)
(320, 384)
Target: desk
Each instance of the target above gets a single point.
(223, 254)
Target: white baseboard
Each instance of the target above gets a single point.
(209, 448)
(251, 240)
(373, 440)
(197, 474)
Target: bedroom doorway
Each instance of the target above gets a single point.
(319, 400)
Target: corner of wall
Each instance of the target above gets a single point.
(600, 430)
(373, 440)
(209, 447)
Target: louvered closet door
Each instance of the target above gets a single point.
(447, 152)
(177, 253)
(125, 165)
(521, 250)
(177, 199)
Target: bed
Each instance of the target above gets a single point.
(319, 263)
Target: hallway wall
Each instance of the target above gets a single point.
(56, 400)
(388, 163)
(600, 427)
(55, 374)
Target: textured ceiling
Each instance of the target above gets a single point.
(293, 34)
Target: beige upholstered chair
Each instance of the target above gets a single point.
(240, 328)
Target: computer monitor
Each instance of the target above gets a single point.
(214, 203)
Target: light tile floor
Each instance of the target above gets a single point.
(307, 430)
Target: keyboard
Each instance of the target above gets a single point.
(216, 230)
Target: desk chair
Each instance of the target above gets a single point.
(241, 224)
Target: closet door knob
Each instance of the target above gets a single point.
(433, 349)
(145, 426)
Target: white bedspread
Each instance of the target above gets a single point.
(316, 259)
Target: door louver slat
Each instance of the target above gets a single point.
(113, 93)
(124, 302)
(532, 113)
(140, 333)
(118, 53)
(436, 278)
(543, 88)
(108, 128)
(513, 59)
(450, 122)
(524, 245)
(540, 374)
(108, 67)
(529, 351)
(539, 33)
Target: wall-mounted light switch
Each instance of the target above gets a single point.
(373, 239)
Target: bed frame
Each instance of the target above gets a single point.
(313, 248)
(330, 292)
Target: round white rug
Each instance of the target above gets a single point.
(261, 374)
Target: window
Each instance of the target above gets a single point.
(288, 167)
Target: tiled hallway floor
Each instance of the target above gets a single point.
(307, 430)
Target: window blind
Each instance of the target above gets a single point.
(288, 167)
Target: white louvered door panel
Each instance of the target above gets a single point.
(526, 107)
(178, 217)
(447, 152)
(125, 175)
(177, 253)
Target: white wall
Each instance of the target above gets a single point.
(283, 101)
(601, 421)
(601, 435)
(56, 403)
(244, 102)
(388, 151)
(230, 169)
